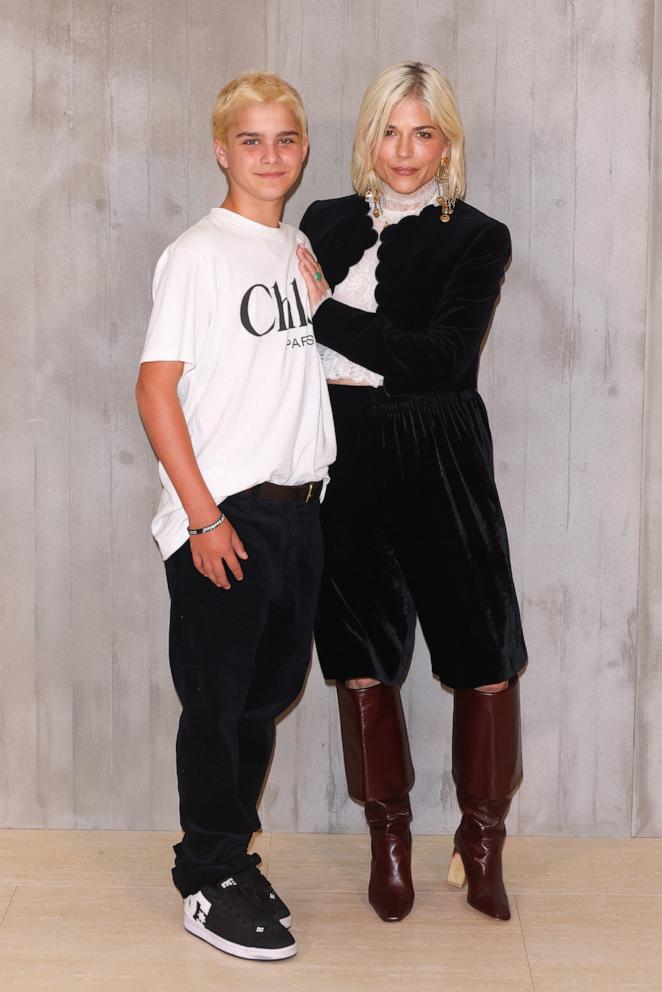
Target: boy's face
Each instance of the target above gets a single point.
(263, 151)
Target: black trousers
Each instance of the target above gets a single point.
(413, 526)
(239, 658)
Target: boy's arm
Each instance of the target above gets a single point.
(163, 419)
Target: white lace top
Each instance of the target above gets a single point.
(358, 287)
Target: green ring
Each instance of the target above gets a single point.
(317, 276)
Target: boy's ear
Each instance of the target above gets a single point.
(221, 157)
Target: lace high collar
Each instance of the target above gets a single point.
(407, 203)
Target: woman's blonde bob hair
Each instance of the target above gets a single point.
(255, 87)
(389, 88)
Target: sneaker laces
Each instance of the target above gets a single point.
(255, 873)
(240, 904)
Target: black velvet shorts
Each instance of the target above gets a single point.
(413, 526)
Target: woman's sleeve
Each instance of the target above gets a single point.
(436, 354)
(307, 221)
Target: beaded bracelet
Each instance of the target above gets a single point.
(194, 531)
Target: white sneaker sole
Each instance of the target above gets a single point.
(238, 950)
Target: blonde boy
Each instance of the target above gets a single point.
(233, 399)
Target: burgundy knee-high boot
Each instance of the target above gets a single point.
(380, 774)
(487, 769)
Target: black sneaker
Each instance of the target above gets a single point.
(252, 880)
(234, 922)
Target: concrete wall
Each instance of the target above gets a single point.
(105, 111)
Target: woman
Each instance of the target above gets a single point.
(412, 520)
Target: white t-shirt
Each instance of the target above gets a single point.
(230, 303)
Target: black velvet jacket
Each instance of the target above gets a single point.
(437, 285)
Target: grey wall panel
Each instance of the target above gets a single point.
(18, 709)
(106, 111)
(90, 465)
(52, 82)
(647, 806)
(138, 146)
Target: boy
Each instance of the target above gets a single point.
(233, 399)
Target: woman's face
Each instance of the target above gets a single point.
(412, 148)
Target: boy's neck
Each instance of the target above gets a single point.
(260, 211)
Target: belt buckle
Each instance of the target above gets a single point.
(310, 492)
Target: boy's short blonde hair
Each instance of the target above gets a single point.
(255, 87)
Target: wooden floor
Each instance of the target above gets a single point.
(94, 911)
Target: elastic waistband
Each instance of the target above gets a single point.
(371, 397)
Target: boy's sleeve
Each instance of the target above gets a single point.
(183, 309)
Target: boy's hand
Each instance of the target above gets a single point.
(318, 288)
(210, 552)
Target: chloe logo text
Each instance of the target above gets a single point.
(285, 312)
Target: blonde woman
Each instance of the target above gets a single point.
(406, 275)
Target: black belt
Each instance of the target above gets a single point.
(269, 490)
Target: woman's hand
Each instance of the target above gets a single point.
(318, 288)
(210, 551)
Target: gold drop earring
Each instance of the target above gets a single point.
(372, 196)
(445, 200)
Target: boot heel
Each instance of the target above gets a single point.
(456, 873)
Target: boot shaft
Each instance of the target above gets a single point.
(375, 743)
(487, 756)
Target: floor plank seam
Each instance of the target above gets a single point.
(526, 949)
(11, 899)
(583, 893)
(32, 883)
